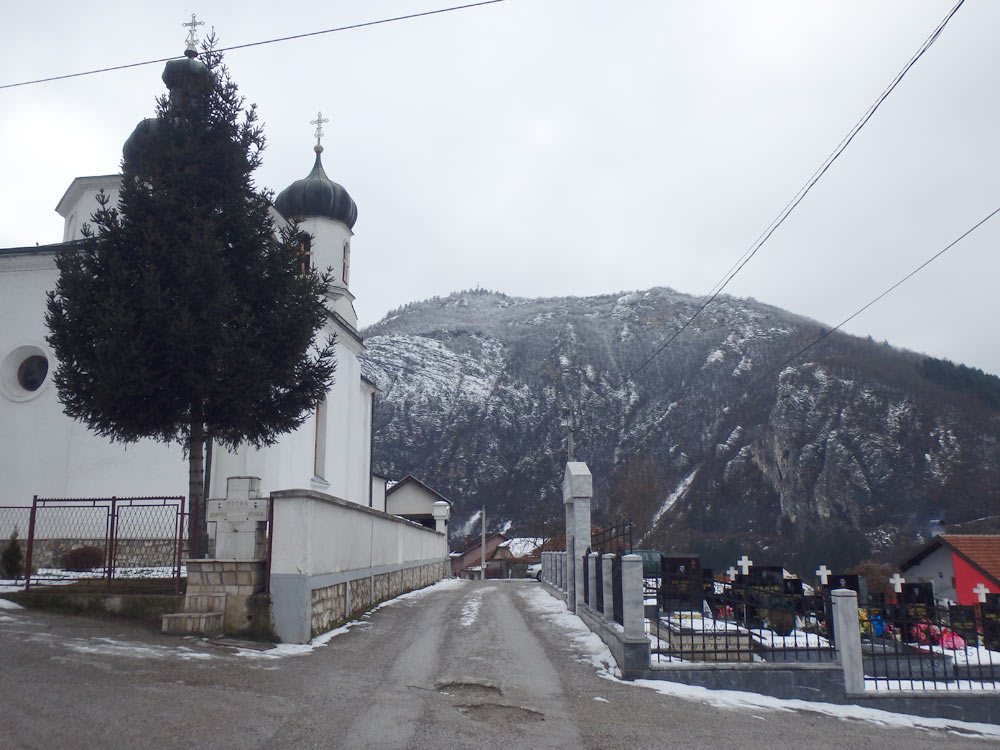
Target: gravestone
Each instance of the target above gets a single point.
(991, 622)
(962, 619)
(916, 607)
(681, 584)
(852, 581)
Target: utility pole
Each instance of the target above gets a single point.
(482, 544)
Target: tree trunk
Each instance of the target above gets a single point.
(197, 522)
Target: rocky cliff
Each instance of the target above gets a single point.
(718, 445)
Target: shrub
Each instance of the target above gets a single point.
(83, 558)
(12, 559)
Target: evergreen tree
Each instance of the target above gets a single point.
(182, 316)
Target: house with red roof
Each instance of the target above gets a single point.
(959, 565)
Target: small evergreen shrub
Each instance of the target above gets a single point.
(83, 558)
(12, 558)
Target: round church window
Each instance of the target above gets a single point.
(32, 371)
(24, 372)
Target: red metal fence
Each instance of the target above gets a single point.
(104, 538)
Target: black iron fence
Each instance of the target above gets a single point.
(105, 539)
(920, 645)
(697, 618)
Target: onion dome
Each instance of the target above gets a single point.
(317, 195)
(186, 78)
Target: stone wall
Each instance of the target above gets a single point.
(237, 579)
(338, 602)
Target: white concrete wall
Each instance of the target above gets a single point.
(316, 535)
(42, 451)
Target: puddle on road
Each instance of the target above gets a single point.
(501, 714)
(468, 688)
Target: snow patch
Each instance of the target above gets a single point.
(673, 497)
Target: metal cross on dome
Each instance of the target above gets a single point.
(824, 573)
(897, 582)
(192, 37)
(318, 122)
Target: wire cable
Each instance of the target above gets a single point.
(256, 44)
(797, 199)
(855, 314)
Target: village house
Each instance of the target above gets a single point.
(961, 566)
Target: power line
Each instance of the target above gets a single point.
(256, 44)
(798, 197)
(856, 313)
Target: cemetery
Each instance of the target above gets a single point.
(758, 627)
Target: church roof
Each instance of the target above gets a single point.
(317, 195)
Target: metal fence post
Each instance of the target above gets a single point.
(633, 611)
(847, 635)
(31, 544)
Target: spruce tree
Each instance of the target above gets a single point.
(182, 316)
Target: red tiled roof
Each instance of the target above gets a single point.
(981, 549)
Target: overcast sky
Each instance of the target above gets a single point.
(575, 147)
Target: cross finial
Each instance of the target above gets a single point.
(897, 582)
(823, 573)
(318, 122)
(192, 37)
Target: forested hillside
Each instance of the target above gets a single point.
(843, 454)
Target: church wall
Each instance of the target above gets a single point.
(44, 452)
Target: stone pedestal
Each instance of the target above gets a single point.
(578, 488)
(217, 596)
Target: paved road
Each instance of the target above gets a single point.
(467, 665)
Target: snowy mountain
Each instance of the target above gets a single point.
(845, 453)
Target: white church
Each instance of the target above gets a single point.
(45, 453)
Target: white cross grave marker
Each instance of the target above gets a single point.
(897, 582)
(823, 573)
(981, 590)
(732, 573)
(745, 564)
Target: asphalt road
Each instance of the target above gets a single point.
(468, 665)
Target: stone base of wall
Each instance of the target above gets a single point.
(334, 604)
(239, 580)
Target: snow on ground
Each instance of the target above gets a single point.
(470, 611)
(555, 611)
(589, 647)
(7, 604)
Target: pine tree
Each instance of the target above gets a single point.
(182, 316)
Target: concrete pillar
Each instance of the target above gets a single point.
(578, 488)
(570, 581)
(562, 571)
(592, 558)
(606, 572)
(633, 610)
(442, 512)
(847, 635)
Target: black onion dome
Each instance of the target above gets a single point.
(184, 77)
(317, 195)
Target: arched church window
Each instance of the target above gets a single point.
(347, 261)
(305, 252)
(32, 371)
